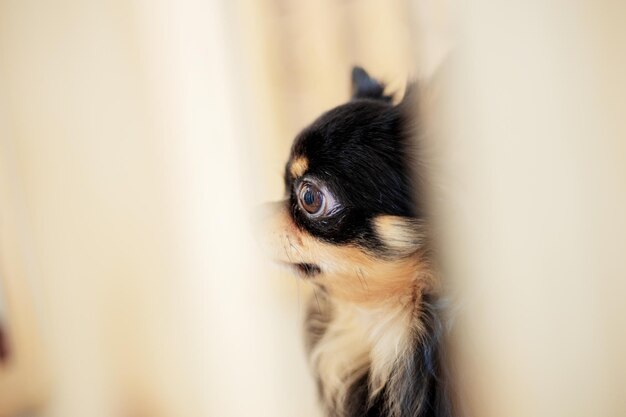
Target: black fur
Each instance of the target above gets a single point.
(362, 151)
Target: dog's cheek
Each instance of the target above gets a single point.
(354, 275)
(400, 236)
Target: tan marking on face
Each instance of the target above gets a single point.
(349, 273)
(299, 166)
(402, 235)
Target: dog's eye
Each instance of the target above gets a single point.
(311, 199)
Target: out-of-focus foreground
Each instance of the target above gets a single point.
(136, 139)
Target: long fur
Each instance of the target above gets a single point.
(378, 362)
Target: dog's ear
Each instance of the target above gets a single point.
(364, 86)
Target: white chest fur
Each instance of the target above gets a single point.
(356, 341)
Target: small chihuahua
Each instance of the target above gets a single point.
(353, 226)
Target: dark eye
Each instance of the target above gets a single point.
(311, 199)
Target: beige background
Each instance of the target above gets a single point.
(136, 139)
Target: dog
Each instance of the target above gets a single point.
(353, 226)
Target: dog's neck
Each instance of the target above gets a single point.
(373, 346)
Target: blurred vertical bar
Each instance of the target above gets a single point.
(225, 342)
(23, 384)
(528, 168)
(85, 199)
(126, 128)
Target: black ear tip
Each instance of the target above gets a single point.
(364, 86)
(358, 73)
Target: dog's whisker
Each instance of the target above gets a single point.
(361, 275)
(287, 252)
(291, 245)
(319, 309)
(295, 248)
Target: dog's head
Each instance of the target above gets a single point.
(351, 222)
